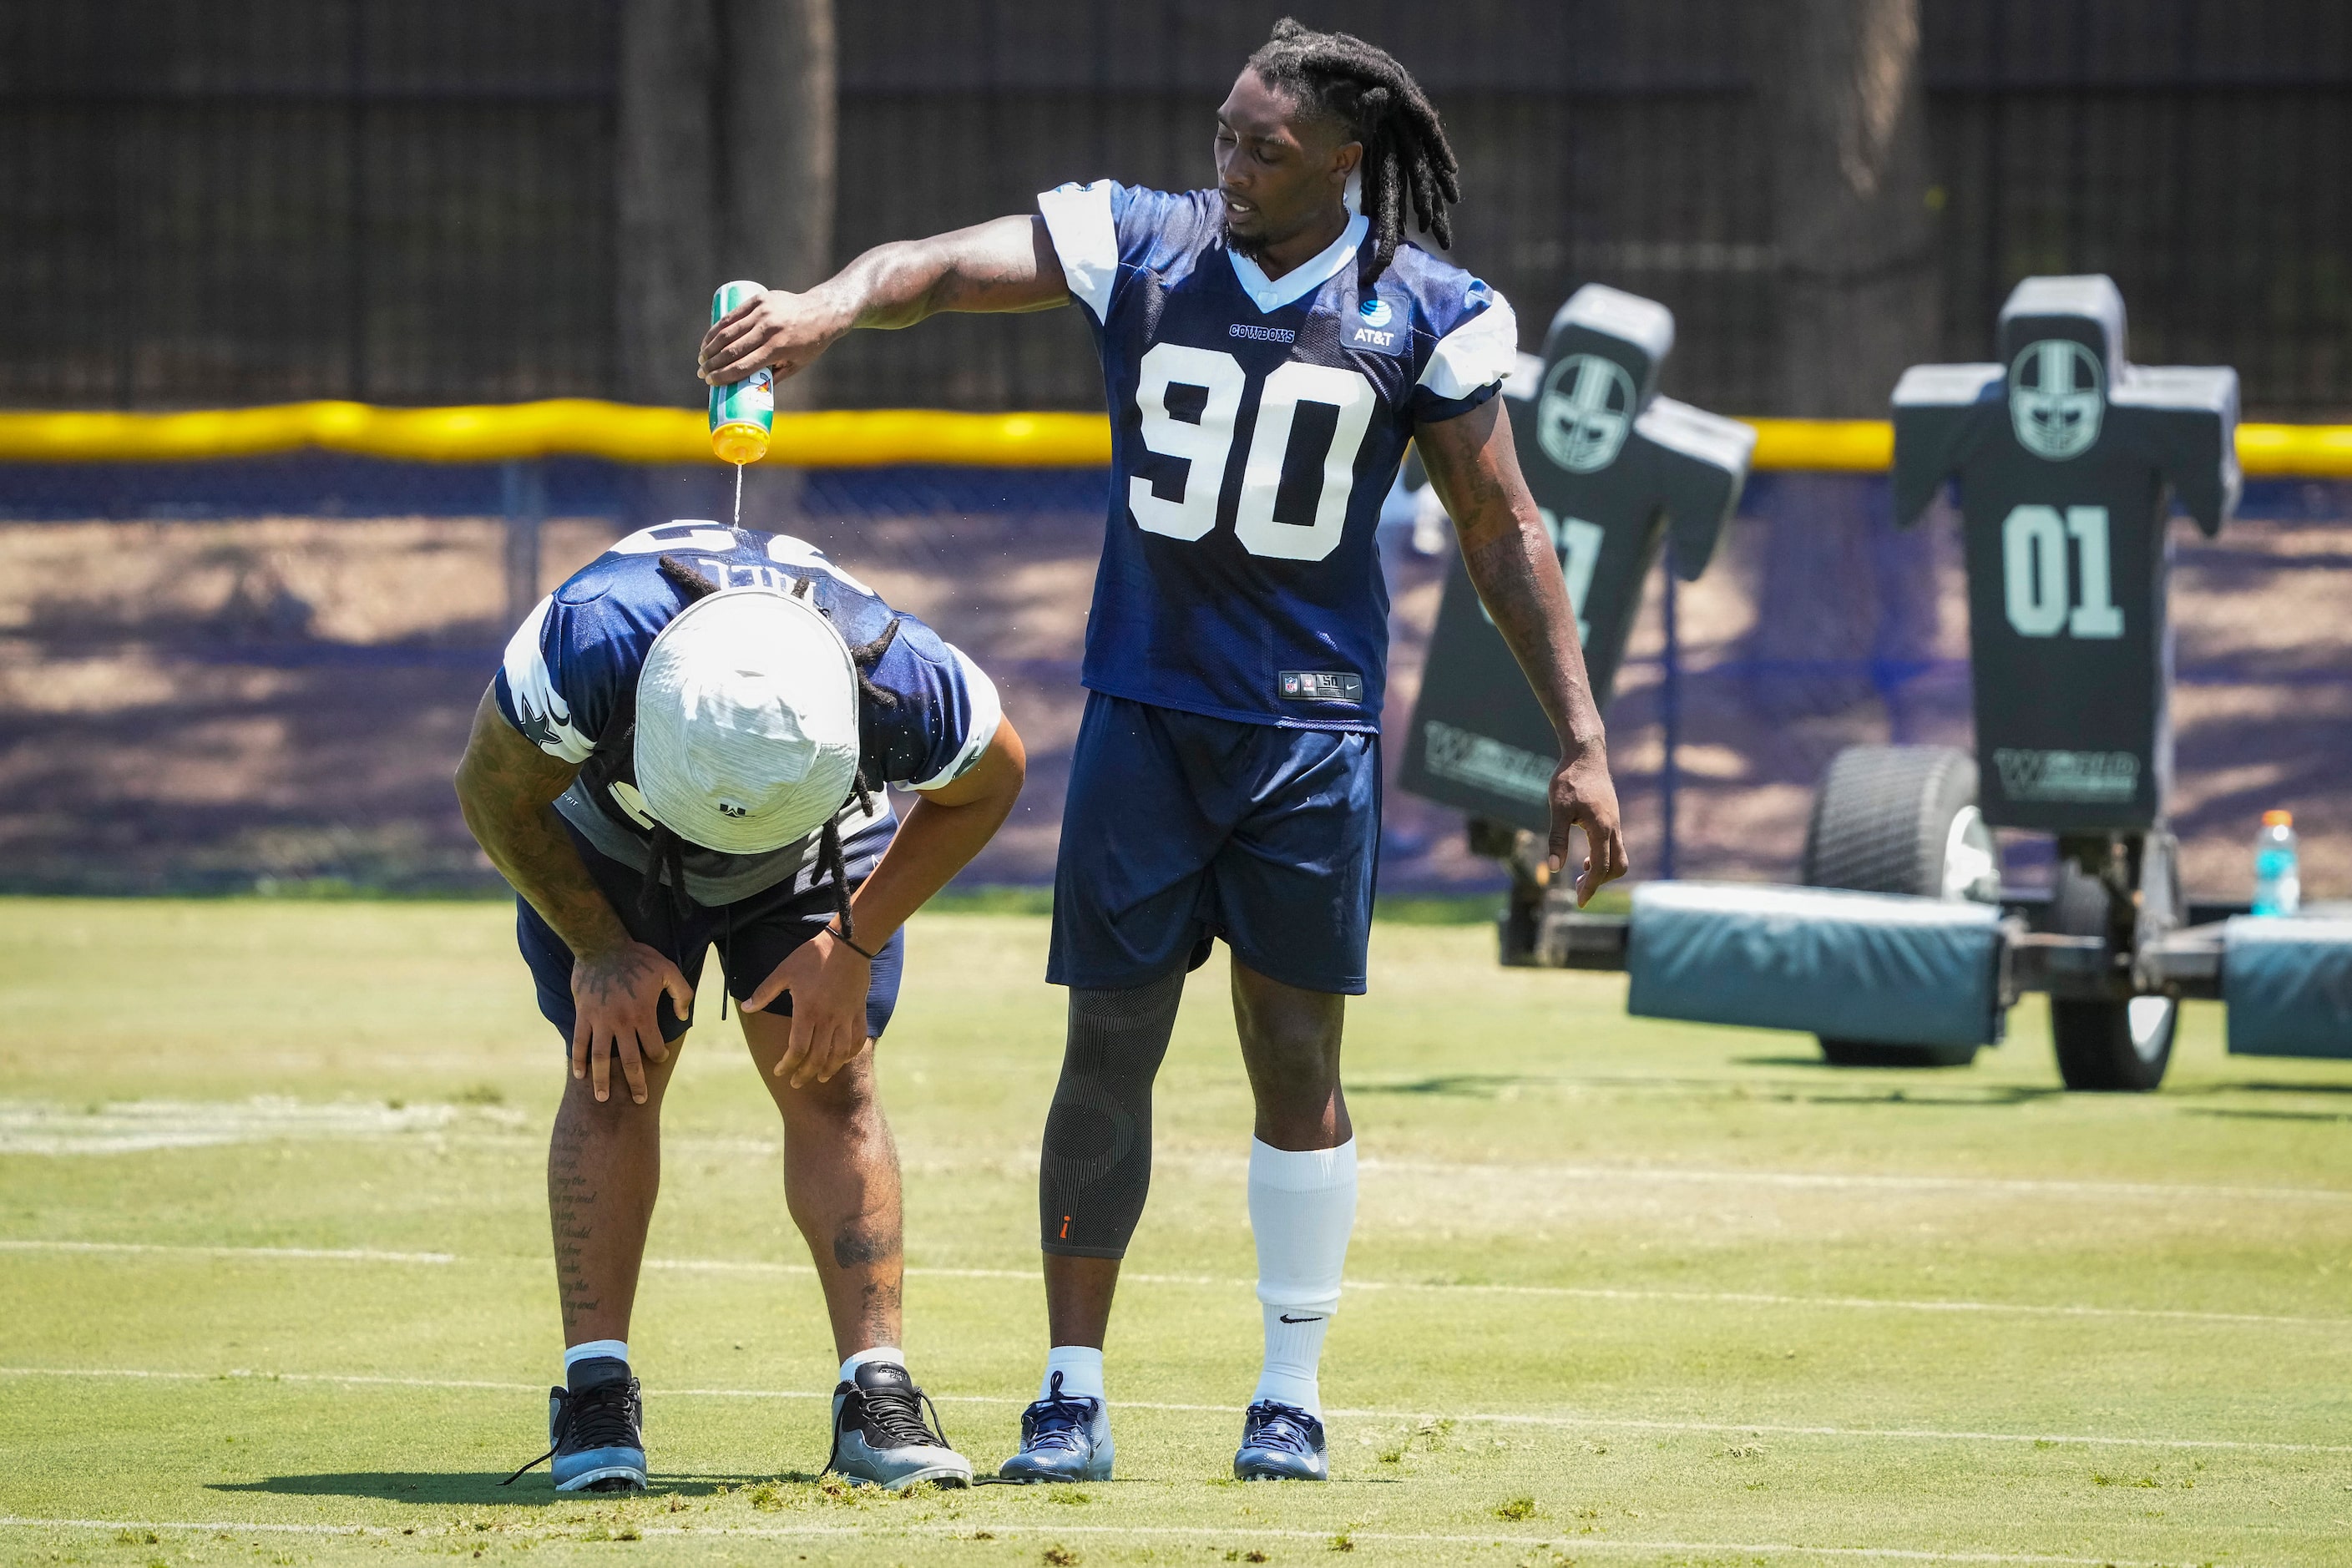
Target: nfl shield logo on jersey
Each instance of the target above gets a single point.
(1587, 406)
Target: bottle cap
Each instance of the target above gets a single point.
(2278, 819)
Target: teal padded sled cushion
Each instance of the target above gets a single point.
(2288, 983)
(1875, 967)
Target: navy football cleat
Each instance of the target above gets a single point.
(1064, 1438)
(879, 1436)
(596, 1438)
(1281, 1443)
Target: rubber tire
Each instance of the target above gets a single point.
(2096, 1054)
(1882, 817)
(1880, 823)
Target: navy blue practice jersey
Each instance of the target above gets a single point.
(1256, 426)
(569, 683)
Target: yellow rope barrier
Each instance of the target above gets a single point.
(839, 439)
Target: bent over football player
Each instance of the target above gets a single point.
(1269, 347)
(687, 744)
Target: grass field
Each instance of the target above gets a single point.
(274, 1283)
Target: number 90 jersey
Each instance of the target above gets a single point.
(1256, 426)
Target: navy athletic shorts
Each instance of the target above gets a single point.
(753, 935)
(1180, 828)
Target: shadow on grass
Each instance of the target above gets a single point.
(1917, 1086)
(1455, 1085)
(2257, 1086)
(443, 1487)
(2252, 1114)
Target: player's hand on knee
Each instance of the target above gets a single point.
(828, 982)
(616, 1005)
(1583, 796)
(776, 329)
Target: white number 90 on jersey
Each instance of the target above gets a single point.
(1207, 449)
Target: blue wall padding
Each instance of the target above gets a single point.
(2288, 983)
(1870, 967)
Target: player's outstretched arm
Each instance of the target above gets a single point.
(1476, 469)
(506, 788)
(1007, 264)
(943, 830)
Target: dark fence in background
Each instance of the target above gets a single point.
(411, 201)
(277, 691)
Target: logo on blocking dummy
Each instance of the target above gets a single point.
(1588, 407)
(2055, 398)
(2069, 457)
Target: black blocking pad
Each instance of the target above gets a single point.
(2068, 459)
(1620, 473)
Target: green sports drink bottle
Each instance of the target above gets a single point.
(742, 413)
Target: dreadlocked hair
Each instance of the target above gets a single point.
(1406, 156)
(665, 852)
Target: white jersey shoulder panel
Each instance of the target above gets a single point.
(1084, 239)
(1481, 352)
(537, 702)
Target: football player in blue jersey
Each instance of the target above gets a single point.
(687, 744)
(1269, 347)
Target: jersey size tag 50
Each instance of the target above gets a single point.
(1322, 685)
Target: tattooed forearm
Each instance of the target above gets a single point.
(1517, 577)
(1510, 556)
(505, 785)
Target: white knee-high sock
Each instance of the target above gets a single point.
(1302, 1206)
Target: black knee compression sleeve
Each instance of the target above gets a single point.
(1097, 1167)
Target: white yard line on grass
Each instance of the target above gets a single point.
(1587, 1293)
(1244, 1533)
(1562, 1292)
(1503, 1418)
(302, 1253)
(247, 1375)
(24, 1521)
(141, 1126)
(2020, 1186)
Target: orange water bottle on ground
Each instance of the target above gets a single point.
(742, 413)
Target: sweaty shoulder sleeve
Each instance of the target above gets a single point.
(946, 715)
(561, 683)
(1477, 350)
